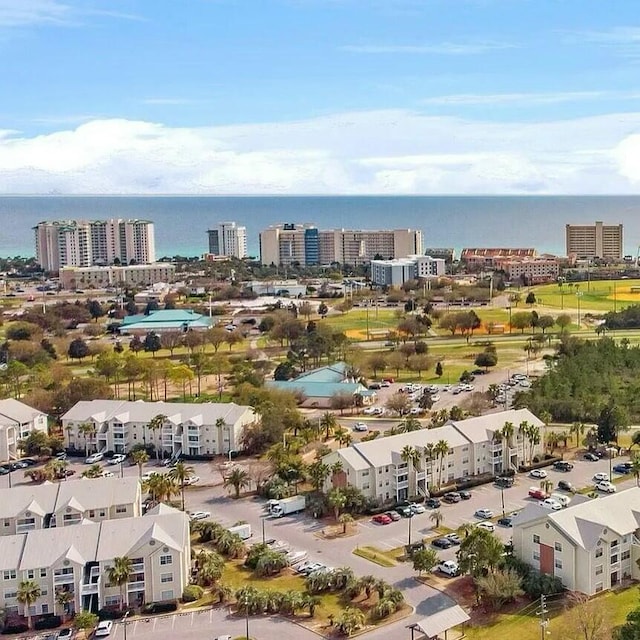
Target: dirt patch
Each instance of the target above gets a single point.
(336, 531)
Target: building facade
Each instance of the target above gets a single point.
(187, 429)
(17, 421)
(599, 240)
(487, 258)
(84, 243)
(111, 276)
(530, 270)
(379, 470)
(77, 560)
(592, 545)
(395, 273)
(286, 244)
(228, 239)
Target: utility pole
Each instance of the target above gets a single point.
(544, 621)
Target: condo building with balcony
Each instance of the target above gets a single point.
(17, 421)
(191, 429)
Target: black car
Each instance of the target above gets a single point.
(442, 543)
(432, 503)
(4, 470)
(465, 495)
(565, 485)
(591, 457)
(562, 465)
(507, 521)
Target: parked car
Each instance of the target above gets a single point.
(454, 538)
(449, 568)
(550, 503)
(108, 474)
(465, 495)
(404, 511)
(606, 486)
(294, 557)
(488, 526)
(623, 468)
(417, 508)
(591, 457)
(442, 543)
(432, 503)
(94, 457)
(504, 482)
(118, 458)
(61, 455)
(394, 515)
(565, 485)
(199, 515)
(506, 521)
(389, 380)
(538, 473)
(360, 426)
(382, 518)
(191, 480)
(487, 514)
(536, 493)
(601, 476)
(561, 498)
(103, 628)
(562, 465)
(452, 497)
(65, 634)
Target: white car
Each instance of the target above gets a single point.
(93, 458)
(369, 411)
(449, 568)
(417, 508)
(538, 473)
(550, 503)
(488, 526)
(606, 486)
(103, 628)
(525, 383)
(294, 557)
(435, 397)
(191, 480)
(360, 426)
(147, 475)
(415, 411)
(118, 458)
(108, 474)
(601, 477)
(199, 515)
(487, 514)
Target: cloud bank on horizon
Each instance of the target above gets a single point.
(382, 152)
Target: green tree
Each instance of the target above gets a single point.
(336, 500)
(480, 551)
(439, 369)
(85, 620)
(119, 573)
(612, 420)
(499, 587)
(436, 517)
(238, 479)
(78, 349)
(180, 473)
(152, 343)
(140, 457)
(424, 560)
(531, 298)
(28, 593)
(486, 360)
(350, 621)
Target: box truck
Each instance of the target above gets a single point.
(243, 530)
(286, 506)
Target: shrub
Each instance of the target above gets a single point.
(109, 614)
(160, 607)
(85, 620)
(17, 627)
(192, 592)
(48, 622)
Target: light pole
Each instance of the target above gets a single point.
(125, 624)
(509, 310)
(409, 540)
(578, 296)
(502, 498)
(264, 539)
(246, 613)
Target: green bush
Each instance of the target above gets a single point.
(192, 592)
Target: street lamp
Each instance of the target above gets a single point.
(125, 624)
(509, 310)
(264, 540)
(578, 296)
(409, 540)
(246, 613)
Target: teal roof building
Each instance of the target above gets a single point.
(166, 320)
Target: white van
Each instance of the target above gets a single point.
(561, 498)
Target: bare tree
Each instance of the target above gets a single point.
(586, 619)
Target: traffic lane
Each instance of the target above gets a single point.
(211, 623)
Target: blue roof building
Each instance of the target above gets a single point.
(166, 320)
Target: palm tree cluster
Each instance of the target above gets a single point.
(207, 568)
(256, 601)
(161, 487)
(227, 543)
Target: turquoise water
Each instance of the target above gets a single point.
(181, 222)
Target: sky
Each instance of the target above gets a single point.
(320, 96)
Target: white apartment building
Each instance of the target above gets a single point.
(76, 559)
(25, 508)
(378, 469)
(533, 270)
(598, 240)
(84, 243)
(191, 429)
(394, 273)
(228, 239)
(592, 545)
(286, 244)
(111, 276)
(17, 421)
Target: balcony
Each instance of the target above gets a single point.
(23, 528)
(421, 475)
(65, 578)
(138, 567)
(495, 447)
(89, 588)
(136, 586)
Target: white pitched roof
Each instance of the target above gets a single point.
(15, 411)
(482, 428)
(17, 499)
(11, 550)
(93, 493)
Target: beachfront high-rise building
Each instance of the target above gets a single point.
(305, 244)
(84, 243)
(228, 239)
(598, 240)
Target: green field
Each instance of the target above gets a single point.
(601, 295)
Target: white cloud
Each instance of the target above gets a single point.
(166, 101)
(624, 40)
(510, 99)
(442, 48)
(18, 13)
(391, 151)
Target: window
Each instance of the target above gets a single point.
(166, 577)
(166, 559)
(599, 552)
(465, 460)
(44, 591)
(599, 570)
(121, 508)
(102, 514)
(614, 544)
(365, 487)
(614, 558)
(9, 575)
(625, 555)
(365, 473)
(7, 523)
(45, 608)
(598, 587)
(558, 563)
(465, 448)
(10, 594)
(536, 554)
(536, 538)
(31, 574)
(167, 595)
(43, 573)
(558, 546)
(112, 601)
(92, 513)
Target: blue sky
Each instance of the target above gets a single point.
(327, 96)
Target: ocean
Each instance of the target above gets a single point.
(181, 222)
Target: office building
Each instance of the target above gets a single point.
(592, 545)
(228, 239)
(84, 243)
(377, 467)
(191, 429)
(394, 273)
(17, 421)
(601, 241)
(134, 275)
(304, 244)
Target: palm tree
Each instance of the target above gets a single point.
(546, 485)
(410, 455)
(88, 431)
(119, 573)
(140, 457)
(345, 519)
(466, 528)
(436, 517)
(441, 450)
(329, 423)
(337, 500)
(351, 620)
(179, 474)
(28, 593)
(577, 429)
(154, 425)
(209, 566)
(535, 437)
(635, 469)
(430, 454)
(318, 473)
(410, 423)
(64, 598)
(238, 479)
(523, 430)
(94, 471)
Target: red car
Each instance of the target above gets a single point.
(382, 518)
(537, 494)
(389, 380)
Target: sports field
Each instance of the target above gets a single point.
(601, 295)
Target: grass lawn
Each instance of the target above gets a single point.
(525, 626)
(378, 556)
(600, 295)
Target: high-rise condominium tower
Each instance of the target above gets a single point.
(228, 239)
